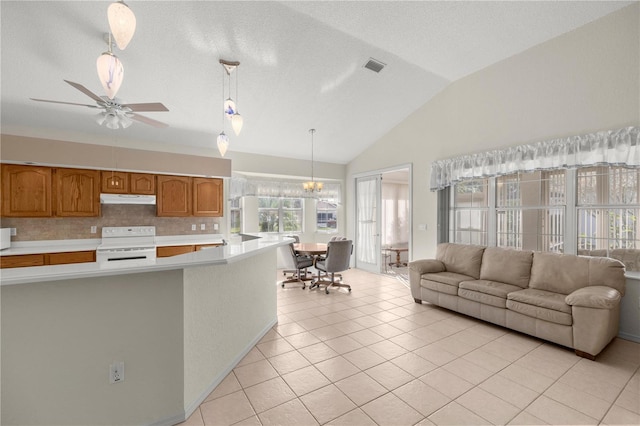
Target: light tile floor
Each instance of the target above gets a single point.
(374, 357)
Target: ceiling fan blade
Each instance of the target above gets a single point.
(147, 120)
(86, 91)
(152, 106)
(66, 103)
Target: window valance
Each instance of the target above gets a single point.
(241, 186)
(614, 147)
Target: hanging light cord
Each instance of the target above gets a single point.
(312, 131)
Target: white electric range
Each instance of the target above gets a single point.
(127, 243)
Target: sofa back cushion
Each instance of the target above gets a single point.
(565, 273)
(462, 259)
(506, 266)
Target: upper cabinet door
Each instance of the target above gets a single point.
(77, 192)
(142, 183)
(174, 196)
(207, 197)
(115, 182)
(26, 191)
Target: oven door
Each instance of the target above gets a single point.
(114, 255)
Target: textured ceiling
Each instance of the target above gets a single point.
(301, 66)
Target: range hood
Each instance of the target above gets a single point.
(127, 199)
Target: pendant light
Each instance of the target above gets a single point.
(229, 109)
(122, 22)
(312, 185)
(110, 70)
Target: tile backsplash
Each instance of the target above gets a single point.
(65, 228)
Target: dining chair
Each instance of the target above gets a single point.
(324, 256)
(291, 272)
(300, 263)
(337, 260)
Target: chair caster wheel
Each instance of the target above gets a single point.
(304, 286)
(326, 291)
(282, 285)
(349, 290)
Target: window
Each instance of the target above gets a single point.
(280, 214)
(235, 213)
(469, 212)
(530, 210)
(608, 209)
(326, 216)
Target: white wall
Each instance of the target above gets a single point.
(580, 82)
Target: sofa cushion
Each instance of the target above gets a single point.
(506, 265)
(444, 282)
(487, 292)
(461, 258)
(566, 273)
(541, 304)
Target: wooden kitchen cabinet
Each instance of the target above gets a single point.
(77, 192)
(21, 261)
(128, 183)
(41, 259)
(70, 257)
(174, 196)
(115, 182)
(26, 191)
(142, 183)
(167, 251)
(207, 197)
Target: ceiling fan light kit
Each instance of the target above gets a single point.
(122, 23)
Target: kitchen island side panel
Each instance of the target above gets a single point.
(59, 338)
(227, 308)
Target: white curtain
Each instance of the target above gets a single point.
(367, 216)
(614, 147)
(241, 186)
(395, 214)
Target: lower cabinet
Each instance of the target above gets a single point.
(41, 259)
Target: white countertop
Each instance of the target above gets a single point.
(62, 246)
(234, 251)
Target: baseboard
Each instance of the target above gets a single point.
(168, 421)
(629, 336)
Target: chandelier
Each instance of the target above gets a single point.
(312, 185)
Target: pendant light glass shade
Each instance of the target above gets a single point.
(236, 123)
(229, 108)
(122, 22)
(110, 73)
(223, 143)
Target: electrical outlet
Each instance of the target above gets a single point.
(203, 226)
(94, 229)
(193, 227)
(14, 231)
(422, 227)
(215, 226)
(116, 372)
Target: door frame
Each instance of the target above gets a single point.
(376, 172)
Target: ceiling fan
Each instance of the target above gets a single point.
(114, 113)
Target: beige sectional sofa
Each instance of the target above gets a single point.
(570, 300)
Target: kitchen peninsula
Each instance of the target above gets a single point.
(179, 324)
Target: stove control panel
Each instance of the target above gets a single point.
(128, 231)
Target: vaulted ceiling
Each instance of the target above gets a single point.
(301, 66)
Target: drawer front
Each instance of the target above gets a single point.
(168, 251)
(71, 257)
(199, 246)
(21, 261)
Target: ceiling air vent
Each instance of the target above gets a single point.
(374, 65)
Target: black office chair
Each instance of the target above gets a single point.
(300, 263)
(337, 260)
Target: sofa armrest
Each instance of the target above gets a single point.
(425, 266)
(600, 297)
